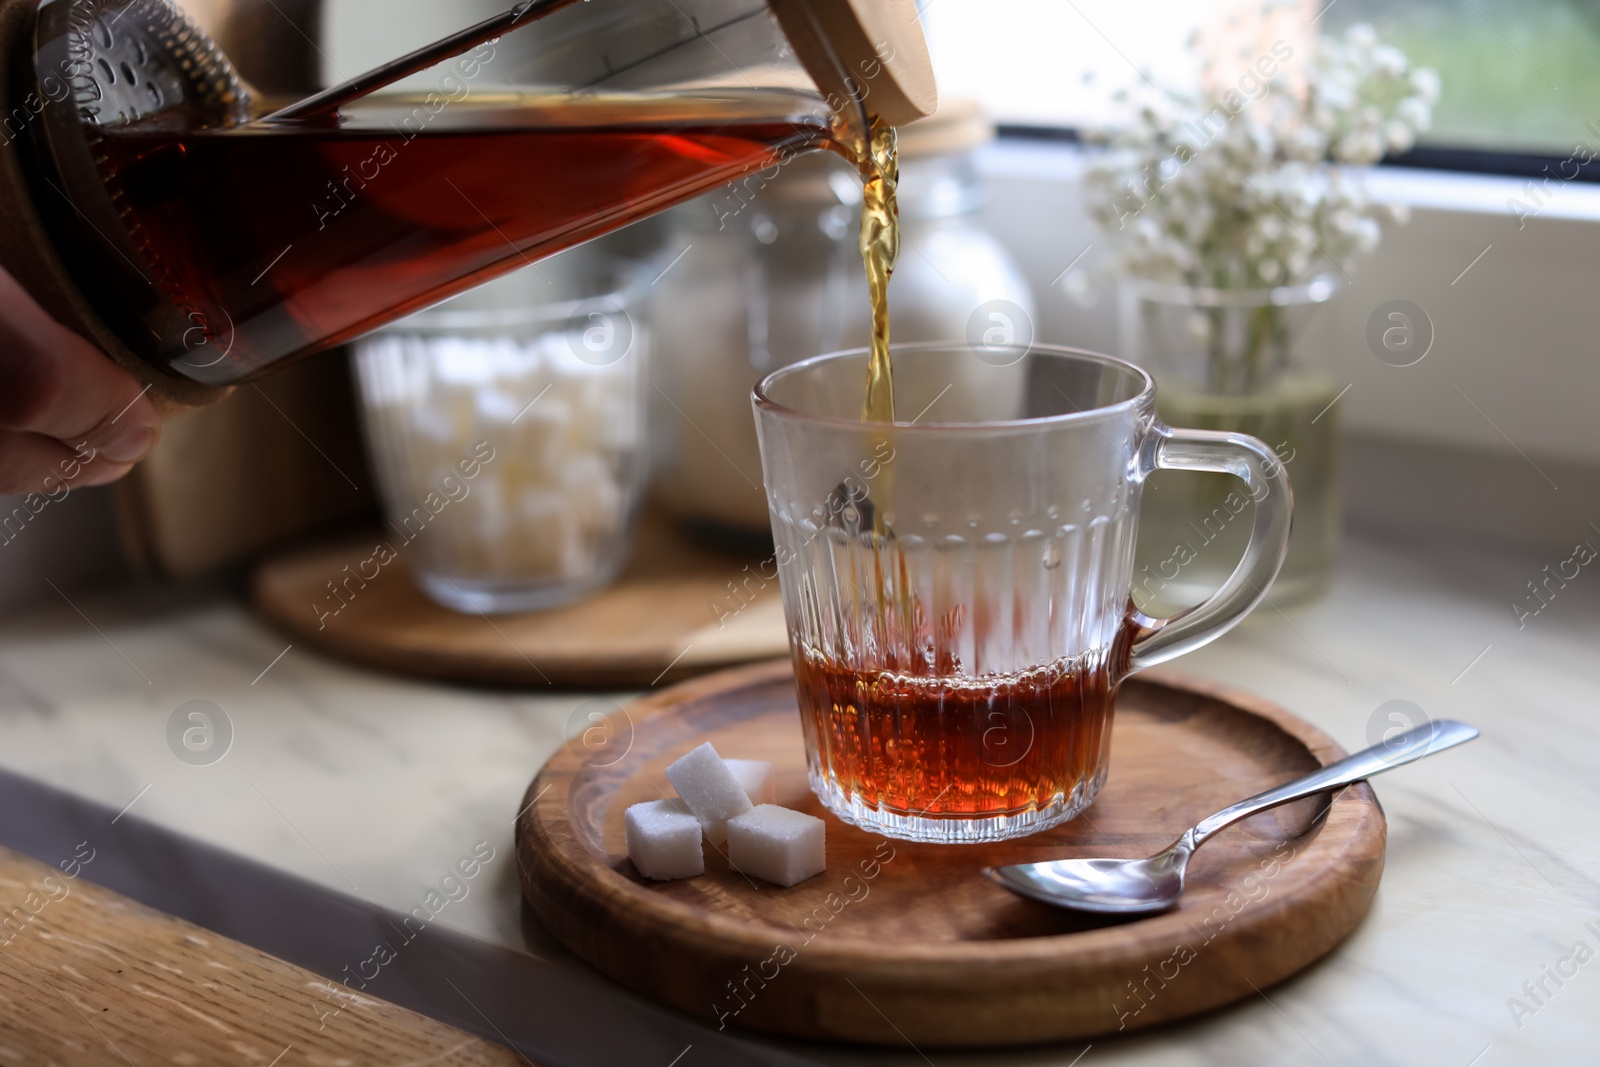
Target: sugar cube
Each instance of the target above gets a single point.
(664, 840)
(709, 788)
(755, 776)
(777, 844)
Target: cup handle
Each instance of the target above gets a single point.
(1250, 460)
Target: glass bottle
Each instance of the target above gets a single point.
(771, 273)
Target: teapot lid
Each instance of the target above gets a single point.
(871, 50)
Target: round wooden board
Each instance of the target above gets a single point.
(899, 942)
(659, 621)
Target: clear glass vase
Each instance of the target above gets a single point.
(1229, 359)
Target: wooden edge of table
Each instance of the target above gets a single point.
(90, 977)
(1353, 823)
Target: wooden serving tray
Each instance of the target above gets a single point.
(900, 942)
(658, 622)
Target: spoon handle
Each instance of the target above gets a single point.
(1392, 752)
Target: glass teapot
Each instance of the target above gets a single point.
(226, 200)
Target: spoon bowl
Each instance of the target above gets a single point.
(1111, 886)
(1107, 886)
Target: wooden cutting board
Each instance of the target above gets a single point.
(679, 609)
(900, 943)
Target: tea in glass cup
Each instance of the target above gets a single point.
(957, 586)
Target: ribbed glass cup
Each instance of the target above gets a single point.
(956, 585)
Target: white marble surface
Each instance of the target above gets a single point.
(376, 785)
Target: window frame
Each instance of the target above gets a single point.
(1427, 157)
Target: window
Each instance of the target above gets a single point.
(1056, 62)
(1519, 76)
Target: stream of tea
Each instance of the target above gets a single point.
(924, 738)
(880, 249)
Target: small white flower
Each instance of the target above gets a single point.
(1400, 213)
(1387, 59)
(1336, 95)
(1360, 147)
(1307, 144)
(1415, 112)
(1425, 80)
(1398, 136)
(1362, 35)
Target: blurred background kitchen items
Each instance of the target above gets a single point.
(624, 90)
(507, 426)
(770, 274)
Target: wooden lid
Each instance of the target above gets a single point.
(872, 50)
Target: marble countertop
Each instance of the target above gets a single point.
(1481, 948)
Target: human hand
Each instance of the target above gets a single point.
(69, 417)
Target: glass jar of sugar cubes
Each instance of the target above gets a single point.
(507, 428)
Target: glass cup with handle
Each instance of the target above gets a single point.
(957, 585)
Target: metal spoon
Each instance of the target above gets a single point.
(1132, 887)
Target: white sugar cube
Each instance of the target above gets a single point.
(664, 840)
(777, 844)
(755, 776)
(710, 789)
